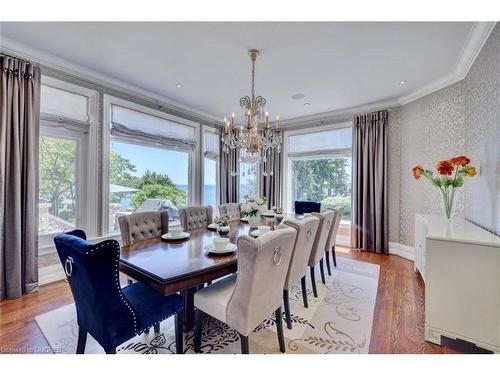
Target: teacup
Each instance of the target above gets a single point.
(220, 243)
(175, 232)
(264, 228)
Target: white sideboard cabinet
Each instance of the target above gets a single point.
(460, 265)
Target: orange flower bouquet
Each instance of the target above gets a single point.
(450, 176)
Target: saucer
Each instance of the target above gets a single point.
(244, 219)
(181, 236)
(230, 248)
(268, 214)
(257, 233)
(212, 226)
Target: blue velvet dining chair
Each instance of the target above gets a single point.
(111, 314)
(302, 207)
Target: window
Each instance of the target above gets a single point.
(142, 176)
(58, 203)
(248, 180)
(210, 167)
(319, 169)
(150, 162)
(66, 123)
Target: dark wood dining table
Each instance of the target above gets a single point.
(172, 266)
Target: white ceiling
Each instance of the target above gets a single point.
(336, 65)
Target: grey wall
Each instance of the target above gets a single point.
(459, 119)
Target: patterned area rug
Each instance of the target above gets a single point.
(338, 321)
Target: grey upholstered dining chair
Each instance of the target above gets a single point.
(142, 226)
(332, 238)
(318, 249)
(306, 233)
(230, 209)
(244, 300)
(195, 217)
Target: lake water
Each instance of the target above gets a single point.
(209, 193)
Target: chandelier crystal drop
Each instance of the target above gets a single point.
(252, 134)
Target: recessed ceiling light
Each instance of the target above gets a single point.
(298, 96)
(178, 85)
(403, 82)
(307, 104)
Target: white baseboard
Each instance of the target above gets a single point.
(404, 251)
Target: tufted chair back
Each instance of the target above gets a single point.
(306, 234)
(232, 210)
(302, 207)
(142, 226)
(318, 249)
(195, 217)
(92, 272)
(332, 236)
(262, 267)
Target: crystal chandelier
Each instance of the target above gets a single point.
(252, 135)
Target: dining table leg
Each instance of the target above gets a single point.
(188, 295)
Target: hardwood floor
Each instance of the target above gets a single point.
(398, 325)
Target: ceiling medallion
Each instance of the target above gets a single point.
(252, 135)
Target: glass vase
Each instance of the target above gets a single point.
(448, 202)
(254, 221)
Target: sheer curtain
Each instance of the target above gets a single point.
(369, 227)
(19, 132)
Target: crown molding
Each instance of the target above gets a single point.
(478, 35)
(57, 64)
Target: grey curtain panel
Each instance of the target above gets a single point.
(229, 178)
(271, 180)
(19, 131)
(369, 226)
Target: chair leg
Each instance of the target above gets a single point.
(198, 327)
(244, 344)
(279, 327)
(157, 328)
(322, 271)
(313, 282)
(327, 257)
(334, 256)
(286, 302)
(179, 335)
(304, 291)
(82, 340)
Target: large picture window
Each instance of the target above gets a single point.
(319, 169)
(150, 159)
(65, 124)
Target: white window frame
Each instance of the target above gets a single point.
(204, 129)
(287, 183)
(86, 135)
(194, 179)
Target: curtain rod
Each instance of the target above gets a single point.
(5, 54)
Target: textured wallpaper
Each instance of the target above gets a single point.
(431, 129)
(463, 118)
(394, 152)
(482, 142)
